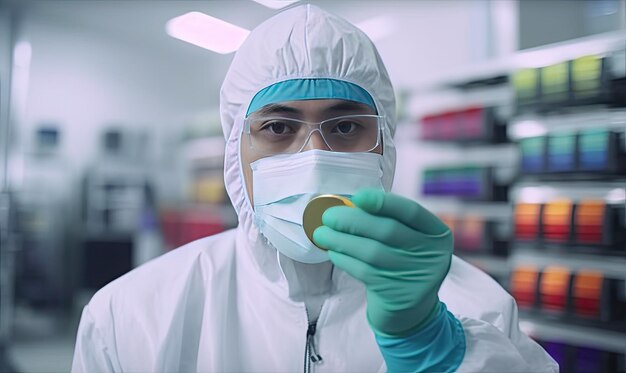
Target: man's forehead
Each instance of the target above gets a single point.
(310, 107)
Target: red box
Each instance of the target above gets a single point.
(429, 125)
(473, 124)
(448, 126)
(472, 233)
(526, 220)
(524, 285)
(587, 293)
(589, 221)
(554, 287)
(557, 217)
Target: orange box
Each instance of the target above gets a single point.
(587, 293)
(557, 220)
(524, 284)
(473, 233)
(589, 221)
(526, 217)
(554, 287)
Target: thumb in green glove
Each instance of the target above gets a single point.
(398, 249)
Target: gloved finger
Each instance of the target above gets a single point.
(366, 250)
(358, 222)
(354, 267)
(404, 210)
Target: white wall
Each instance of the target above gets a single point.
(83, 81)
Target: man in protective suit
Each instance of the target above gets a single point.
(307, 108)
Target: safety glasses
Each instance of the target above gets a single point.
(348, 133)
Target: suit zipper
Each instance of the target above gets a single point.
(310, 352)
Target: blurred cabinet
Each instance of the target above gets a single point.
(206, 209)
(117, 190)
(44, 217)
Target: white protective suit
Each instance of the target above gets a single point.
(226, 304)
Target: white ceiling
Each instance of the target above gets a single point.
(143, 22)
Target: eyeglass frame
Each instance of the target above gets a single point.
(380, 122)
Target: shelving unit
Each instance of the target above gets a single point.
(560, 129)
(498, 267)
(573, 334)
(555, 109)
(610, 265)
(478, 217)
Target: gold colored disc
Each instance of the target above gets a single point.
(312, 216)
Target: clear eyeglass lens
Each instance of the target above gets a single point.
(356, 133)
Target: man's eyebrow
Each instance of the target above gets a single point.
(276, 108)
(348, 106)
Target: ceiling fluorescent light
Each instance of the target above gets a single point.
(275, 4)
(207, 32)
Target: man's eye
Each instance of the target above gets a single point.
(346, 127)
(277, 128)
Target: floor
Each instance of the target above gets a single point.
(42, 341)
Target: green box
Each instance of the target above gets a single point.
(587, 76)
(525, 84)
(554, 82)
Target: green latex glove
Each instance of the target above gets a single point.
(398, 249)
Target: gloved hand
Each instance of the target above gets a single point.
(398, 249)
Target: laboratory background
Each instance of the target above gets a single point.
(511, 128)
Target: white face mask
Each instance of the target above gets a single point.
(284, 184)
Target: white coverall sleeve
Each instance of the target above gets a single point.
(489, 317)
(91, 353)
(488, 349)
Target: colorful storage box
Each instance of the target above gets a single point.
(472, 236)
(559, 352)
(587, 77)
(526, 220)
(555, 83)
(526, 86)
(533, 150)
(587, 293)
(597, 151)
(524, 285)
(554, 288)
(557, 221)
(561, 154)
(591, 222)
(466, 182)
(473, 124)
